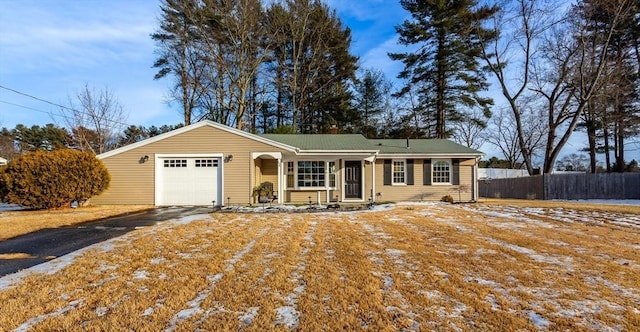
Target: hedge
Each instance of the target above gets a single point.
(45, 180)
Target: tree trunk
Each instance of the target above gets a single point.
(440, 90)
(607, 148)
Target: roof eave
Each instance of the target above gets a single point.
(430, 155)
(191, 127)
(340, 152)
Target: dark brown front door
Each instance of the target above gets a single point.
(353, 179)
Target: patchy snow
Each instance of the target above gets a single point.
(9, 207)
(394, 268)
(563, 261)
(248, 317)
(190, 219)
(537, 319)
(140, 274)
(33, 321)
(55, 264)
(287, 316)
(101, 311)
(158, 260)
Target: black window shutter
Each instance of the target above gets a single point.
(426, 172)
(455, 179)
(410, 172)
(387, 172)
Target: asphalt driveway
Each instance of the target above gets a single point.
(50, 243)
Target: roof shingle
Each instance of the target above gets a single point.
(357, 142)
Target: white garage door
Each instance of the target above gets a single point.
(189, 181)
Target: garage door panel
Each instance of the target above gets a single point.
(189, 181)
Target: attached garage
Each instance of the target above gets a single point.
(188, 180)
(206, 162)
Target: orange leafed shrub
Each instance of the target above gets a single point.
(44, 180)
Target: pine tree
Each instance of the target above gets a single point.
(370, 99)
(443, 69)
(311, 65)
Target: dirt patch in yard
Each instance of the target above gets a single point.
(15, 223)
(413, 267)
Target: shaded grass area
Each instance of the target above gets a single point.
(417, 267)
(15, 223)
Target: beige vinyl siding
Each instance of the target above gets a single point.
(302, 196)
(368, 181)
(269, 172)
(420, 192)
(134, 183)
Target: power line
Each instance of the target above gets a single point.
(35, 109)
(54, 104)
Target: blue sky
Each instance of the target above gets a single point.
(50, 49)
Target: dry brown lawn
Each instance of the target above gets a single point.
(15, 223)
(490, 266)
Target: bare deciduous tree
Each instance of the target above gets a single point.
(470, 131)
(96, 119)
(565, 76)
(504, 135)
(519, 25)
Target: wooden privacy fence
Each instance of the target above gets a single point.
(564, 186)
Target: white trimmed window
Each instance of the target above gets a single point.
(332, 174)
(441, 171)
(311, 174)
(290, 174)
(398, 172)
(175, 163)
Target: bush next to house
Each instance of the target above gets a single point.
(44, 180)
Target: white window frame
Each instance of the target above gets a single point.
(327, 174)
(404, 172)
(433, 172)
(331, 174)
(290, 171)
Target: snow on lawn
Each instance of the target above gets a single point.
(412, 267)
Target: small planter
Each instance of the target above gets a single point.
(264, 192)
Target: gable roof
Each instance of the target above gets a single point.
(327, 143)
(184, 129)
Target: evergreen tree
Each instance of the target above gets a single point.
(311, 65)
(132, 134)
(47, 138)
(178, 55)
(444, 70)
(370, 100)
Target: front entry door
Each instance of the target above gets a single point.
(353, 179)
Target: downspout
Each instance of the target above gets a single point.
(373, 181)
(474, 183)
(280, 187)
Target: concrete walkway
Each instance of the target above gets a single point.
(47, 244)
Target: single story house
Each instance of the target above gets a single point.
(208, 163)
(3, 161)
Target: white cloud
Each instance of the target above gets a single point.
(378, 58)
(65, 33)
